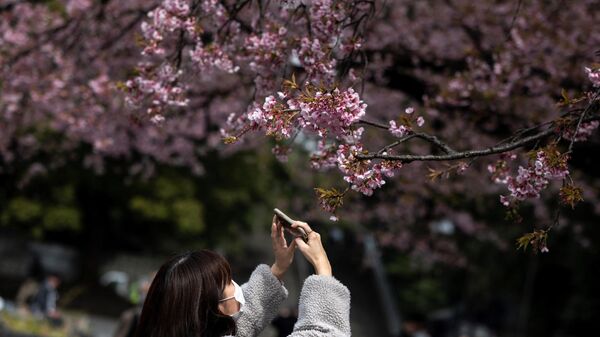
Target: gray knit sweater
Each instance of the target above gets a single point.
(324, 308)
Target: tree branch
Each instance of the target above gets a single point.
(407, 158)
(435, 141)
(375, 124)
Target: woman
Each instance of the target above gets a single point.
(193, 295)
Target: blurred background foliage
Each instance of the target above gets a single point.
(75, 205)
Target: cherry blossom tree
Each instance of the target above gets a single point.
(482, 98)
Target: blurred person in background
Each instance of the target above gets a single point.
(45, 301)
(30, 287)
(193, 294)
(26, 294)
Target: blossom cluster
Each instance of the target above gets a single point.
(212, 57)
(261, 49)
(264, 54)
(314, 56)
(273, 118)
(584, 131)
(267, 50)
(324, 157)
(325, 16)
(170, 16)
(329, 113)
(214, 10)
(160, 88)
(364, 176)
(323, 113)
(548, 164)
(404, 127)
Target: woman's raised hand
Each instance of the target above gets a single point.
(284, 253)
(313, 249)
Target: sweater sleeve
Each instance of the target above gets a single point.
(324, 308)
(263, 293)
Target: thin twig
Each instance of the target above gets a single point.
(375, 124)
(587, 108)
(514, 19)
(396, 143)
(430, 138)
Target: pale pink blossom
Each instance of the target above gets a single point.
(593, 75)
(399, 130)
(530, 180)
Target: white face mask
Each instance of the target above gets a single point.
(239, 297)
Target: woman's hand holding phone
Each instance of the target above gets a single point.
(284, 253)
(313, 249)
(287, 222)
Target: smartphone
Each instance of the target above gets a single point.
(286, 221)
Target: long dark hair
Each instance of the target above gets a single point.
(183, 300)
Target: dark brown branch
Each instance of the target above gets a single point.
(435, 141)
(407, 158)
(232, 13)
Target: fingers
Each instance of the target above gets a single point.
(292, 245)
(301, 244)
(277, 235)
(312, 235)
(302, 225)
(280, 230)
(274, 228)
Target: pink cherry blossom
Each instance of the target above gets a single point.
(212, 57)
(399, 131)
(594, 76)
(330, 113)
(531, 180)
(585, 130)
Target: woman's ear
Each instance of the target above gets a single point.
(222, 308)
